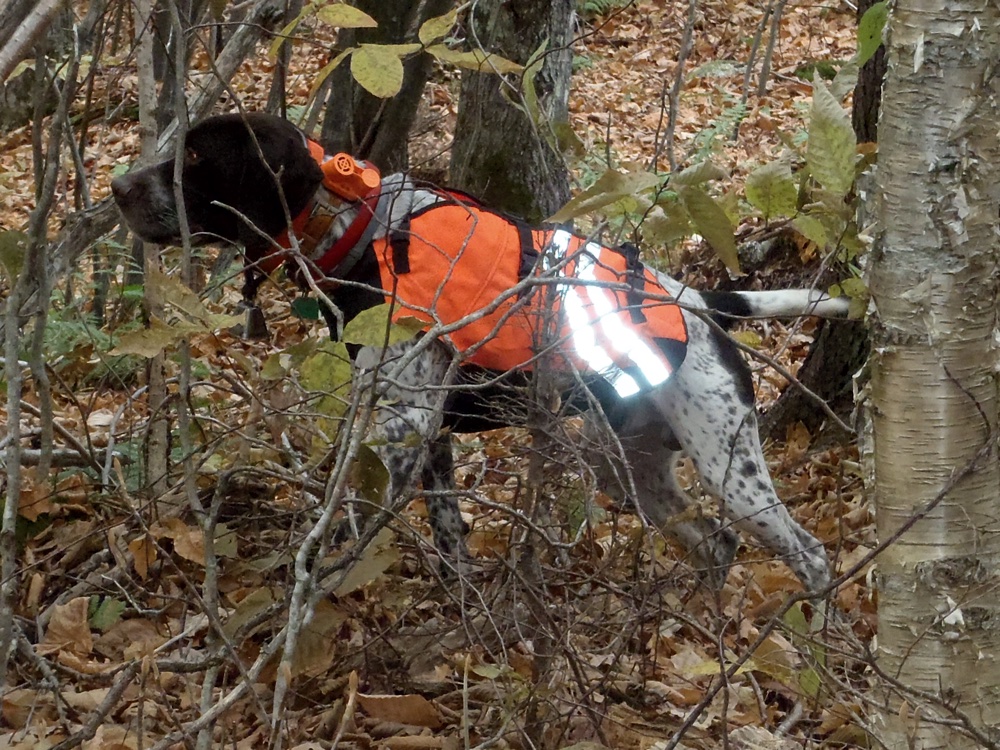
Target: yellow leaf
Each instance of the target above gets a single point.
(609, 187)
(371, 327)
(438, 27)
(483, 62)
(173, 292)
(346, 17)
(378, 70)
(148, 342)
(712, 223)
(283, 35)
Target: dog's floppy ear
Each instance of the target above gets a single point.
(224, 164)
(284, 149)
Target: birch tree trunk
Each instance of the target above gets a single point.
(934, 283)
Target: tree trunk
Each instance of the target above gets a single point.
(839, 349)
(868, 91)
(364, 125)
(499, 154)
(167, 37)
(934, 387)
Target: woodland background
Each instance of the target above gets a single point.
(150, 607)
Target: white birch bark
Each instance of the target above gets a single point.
(934, 391)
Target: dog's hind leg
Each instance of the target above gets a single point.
(650, 454)
(405, 432)
(709, 406)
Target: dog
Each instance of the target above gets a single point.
(635, 349)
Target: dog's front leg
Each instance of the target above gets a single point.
(409, 393)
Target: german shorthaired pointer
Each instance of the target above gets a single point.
(496, 298)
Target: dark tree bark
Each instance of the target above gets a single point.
(499, 154)
(361, 124)
(277, 102)
(868, 91)
(840, 348)
(165, 41)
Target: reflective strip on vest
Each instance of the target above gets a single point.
(462, 259)
(581, 327)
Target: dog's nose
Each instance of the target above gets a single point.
(120, 188)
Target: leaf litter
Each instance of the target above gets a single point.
(578, 627)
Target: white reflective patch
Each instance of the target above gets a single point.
(555, 251)
(579, 324)
(586, 347)
(623, 338)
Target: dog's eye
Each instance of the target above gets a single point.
(191, 156)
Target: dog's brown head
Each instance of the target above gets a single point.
(225, 176)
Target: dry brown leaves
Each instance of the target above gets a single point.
(579, 626)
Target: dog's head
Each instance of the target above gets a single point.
(233, 166)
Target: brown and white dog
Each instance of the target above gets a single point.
(245, 179)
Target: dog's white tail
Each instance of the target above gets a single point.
(783, 303)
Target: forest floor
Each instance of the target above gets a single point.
(608, 638)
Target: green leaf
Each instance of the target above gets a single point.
(698, 174)
(812, 229)
(437, 28)
(666, 225)
(369, 475)
(532, 69)
(13, 250)
(273, 368)
(372, 327)
(483, 62)
(306, 308)
(148, 342)
(378, 70)
(487, 671)
(795, 620)
(610, 187)
(226, 542)
(567, 140)
(107, 613)
(328, 370)
(772, 190)
(132, 292)
(832, 145)
(376, 559)
(870, 31)
(852, 287)
(809, 682)
(712, 223)
(345, 16)
(846, 79)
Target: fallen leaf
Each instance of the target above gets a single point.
(405, 709)
(68, 629)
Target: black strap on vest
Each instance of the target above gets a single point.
(529, 253)
(636, 273)
(399, 241)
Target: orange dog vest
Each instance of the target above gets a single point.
(594, 308)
